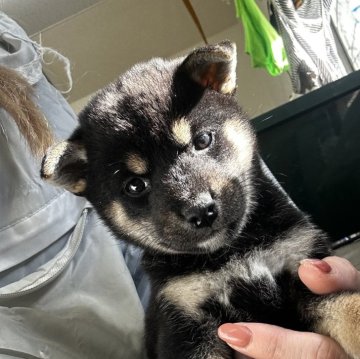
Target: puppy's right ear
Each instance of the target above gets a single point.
(65, 165)
(213, 66)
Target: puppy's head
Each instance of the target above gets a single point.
(164, 154)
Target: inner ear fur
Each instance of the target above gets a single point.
(213, 66)
(65, 165)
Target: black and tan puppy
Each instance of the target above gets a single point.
(169, 161)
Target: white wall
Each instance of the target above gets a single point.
(257, 91)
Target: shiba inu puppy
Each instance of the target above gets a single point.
(169, 160)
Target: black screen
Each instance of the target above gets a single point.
(312, 146)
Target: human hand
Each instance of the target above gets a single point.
(264, 341)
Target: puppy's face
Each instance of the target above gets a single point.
(164, 154)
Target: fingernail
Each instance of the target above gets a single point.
(317, 263)
(236, 335)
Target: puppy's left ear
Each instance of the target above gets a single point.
(65, 165)
(213, 66)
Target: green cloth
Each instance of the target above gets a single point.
(262, 42)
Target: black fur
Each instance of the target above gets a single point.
(238, 260)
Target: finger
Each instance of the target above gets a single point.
(329, 275)
(263, 341)
(238, 355)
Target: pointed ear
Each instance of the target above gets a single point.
(65, 165)
(213, 66)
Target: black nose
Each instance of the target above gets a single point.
(201, 214)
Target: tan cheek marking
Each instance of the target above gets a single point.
(136, 164)
(181, 131)
(341, 320)
(141, 231)
(242, 141)
(117, 213)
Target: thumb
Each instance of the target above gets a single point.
(263, 341)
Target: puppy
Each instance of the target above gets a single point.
(169, 161)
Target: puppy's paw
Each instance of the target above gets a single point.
(340, 319)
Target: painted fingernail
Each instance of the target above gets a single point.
(235, 335)
(317, 263)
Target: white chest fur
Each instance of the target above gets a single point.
(189, 292)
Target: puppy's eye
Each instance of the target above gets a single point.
(136, 186)
(202, 141)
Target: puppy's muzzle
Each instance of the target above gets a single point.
(202, 212)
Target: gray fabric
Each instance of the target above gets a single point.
(19, 52)
(309, 43)
(28, 205)
(65, 290)
(89, 311)
(132, 257)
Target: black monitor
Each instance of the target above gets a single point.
(312, 146)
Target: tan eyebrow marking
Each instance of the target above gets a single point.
(181, 131)
(136, 164)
